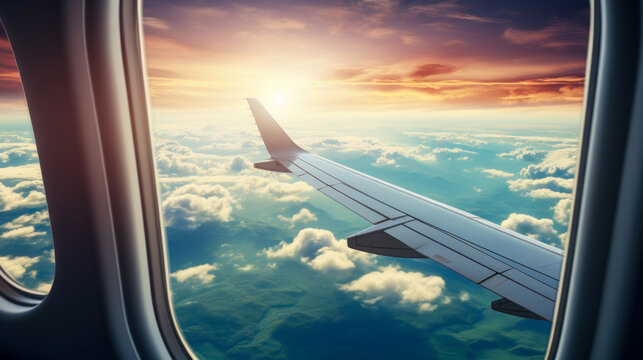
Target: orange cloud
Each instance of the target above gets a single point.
(371, 52)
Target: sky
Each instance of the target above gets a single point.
(367, 56)
(474, 104)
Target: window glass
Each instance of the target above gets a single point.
(26, 248)
(472, 104)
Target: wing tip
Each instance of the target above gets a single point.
(277, 142)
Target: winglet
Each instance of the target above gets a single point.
(277, 142)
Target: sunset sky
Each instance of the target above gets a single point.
(367, 56)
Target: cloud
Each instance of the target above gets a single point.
(174, 159)
(155, 23)
(44, 287)
(270, 20)
(558, 35)
(10, 199)
(525, 154)
(199, 272)
(457, 150)
(555, 183)
(557, 163)
(189, 206)
(422, 71)
(447, 9)
(304, 215)
(284, 191)
(539, 229)
(390, 284)
(547, 194)
(244, 268)
(22, 152)
(28, 171)
(22, 232)
(345, 74)
(564, 239)
(320, 250)
(562, 211)
(464, 296)
(389, 154)
(36, 218)
(17, 266)
(239, 163)
(493, 173)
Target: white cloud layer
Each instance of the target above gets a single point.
(494, 173)
(44, 287)
(304, 215)
(390, 284)
(562, 211)
(525, 154)
(14, 197)
(557, 163)
(189, 206)
(547, 194)
(284, 191)
(36, 218)
(555, 183)
(22, 232)
(539, 229)
(199, 272)
(18, 153)
(320, 250)
(17, 266)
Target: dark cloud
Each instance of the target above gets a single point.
(425, 70)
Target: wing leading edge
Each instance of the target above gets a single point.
(525, 272)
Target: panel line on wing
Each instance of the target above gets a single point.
(319, 174)
(292, 167)
(361, 210)
(312, 181)
(459, 246)
(459, 263)
(368, 201)
(358, 196)
(540, 276)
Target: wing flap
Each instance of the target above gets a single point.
(443, 255)
(520, 294)
(382, 243)
(458, 246)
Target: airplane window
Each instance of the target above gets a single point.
(26, 248)
(472, 106)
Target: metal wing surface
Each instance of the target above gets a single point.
(523, 271)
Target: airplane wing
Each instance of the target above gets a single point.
(525, 272)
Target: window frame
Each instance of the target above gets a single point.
(104, 39)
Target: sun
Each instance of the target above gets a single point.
(279, 98)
